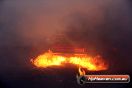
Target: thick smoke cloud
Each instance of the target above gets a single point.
(28, 26)
(34, 22)
(100, 25)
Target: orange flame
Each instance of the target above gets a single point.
(90, 63)
(48, 59)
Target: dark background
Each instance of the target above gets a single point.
(28, 27)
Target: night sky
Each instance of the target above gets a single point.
(28, 27)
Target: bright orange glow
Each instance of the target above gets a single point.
(48, 59)
(84, 61)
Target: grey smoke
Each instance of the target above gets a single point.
(102, 25)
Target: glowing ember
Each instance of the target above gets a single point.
(84, 61)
